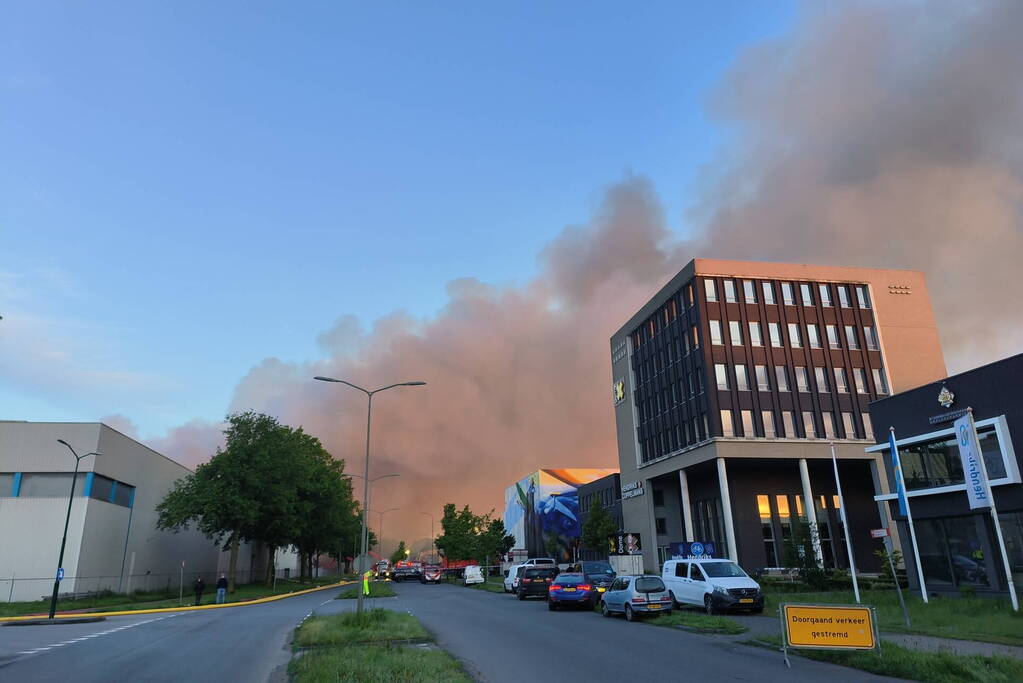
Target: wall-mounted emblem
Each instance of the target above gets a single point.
(946, 397)
(618, 391)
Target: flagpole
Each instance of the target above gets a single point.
(845, 525)
(994, 513)
(904, 497)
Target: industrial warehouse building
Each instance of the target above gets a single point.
(113, 543)
(728, 386)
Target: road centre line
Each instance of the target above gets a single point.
(38, 650)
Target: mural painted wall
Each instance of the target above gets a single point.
(542, 510)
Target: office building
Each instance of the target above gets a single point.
(607, 491)
(728, 386)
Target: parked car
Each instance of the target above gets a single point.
(535, 581)
(431, 574)
(571, 589)
(473, 574)
(599, 574)
(716, 584)
(404, 573)
(540, 562)
(511, 577)
(636, 595)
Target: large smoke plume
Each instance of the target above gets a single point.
(874, 134)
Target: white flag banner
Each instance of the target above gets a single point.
(977, 490)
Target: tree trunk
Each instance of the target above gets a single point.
(232, 564)
(271, 557)
(301, 566)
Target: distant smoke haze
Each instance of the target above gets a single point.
(874, 134)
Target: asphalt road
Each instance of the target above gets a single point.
(497, 637)
(500, 639)
(245, 644)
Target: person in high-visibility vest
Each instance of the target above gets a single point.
(365, 582)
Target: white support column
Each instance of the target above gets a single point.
(726, 509)
(810, 508)
(687, 510)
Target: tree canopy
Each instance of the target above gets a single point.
(599, 525)
(271, 483)
(469, 536)
(400, 553)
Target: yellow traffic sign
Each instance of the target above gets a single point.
(842, 627)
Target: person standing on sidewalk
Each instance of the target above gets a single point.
(222, 589)
(199, 586)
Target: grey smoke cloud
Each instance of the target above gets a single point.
(874, 134)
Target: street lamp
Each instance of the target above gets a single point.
(433, 536)
(382, 513)
(366, 480)
(67, 519)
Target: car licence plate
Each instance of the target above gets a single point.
(654, 606)
(568, 590)
(601, 589)
(746, 600)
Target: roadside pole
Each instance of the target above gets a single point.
(904, 508)
(181, 585)
(845, 525)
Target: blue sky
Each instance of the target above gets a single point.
(189, 188)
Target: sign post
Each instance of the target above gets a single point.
(845, 526)
(883, 533)
(827, 627)
(900, 487)
(978, 487)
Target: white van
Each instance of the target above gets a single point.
(473, 574)
(718, 585)
(539, 562)
(511, 578)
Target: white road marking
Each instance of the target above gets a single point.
(39, 650)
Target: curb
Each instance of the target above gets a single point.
(54, 622)
(158, 610)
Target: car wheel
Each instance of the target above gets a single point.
(604, 611)
(553, 607)
(708, 605)
(522, 595)
(629, 614)
(674, 603)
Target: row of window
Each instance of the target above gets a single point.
(58, 485)
(606, 497)
(769, 427)
(685, 433)
(781, 379)
(788, 293)
(673, 352)
(795, 336)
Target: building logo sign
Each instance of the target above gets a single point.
(695, 550)
(632, 490)
(946, 397)
(618, 391)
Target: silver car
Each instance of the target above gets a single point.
(636, 595)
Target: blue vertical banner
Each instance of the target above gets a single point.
(977, 485)
(900, 486)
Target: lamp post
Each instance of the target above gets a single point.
(381, 527)
(366, 480)
(433, 536)
(67, 519)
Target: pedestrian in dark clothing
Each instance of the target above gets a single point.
(199, 586)
(222, 589)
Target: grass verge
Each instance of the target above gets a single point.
(702, 623)
(491, 585)
(377, 664)
(375, 625)
(930, 667)
(377, 589)
(982, 619)
(114, 602)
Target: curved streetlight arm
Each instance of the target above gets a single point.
(67, 519)
(369, 392)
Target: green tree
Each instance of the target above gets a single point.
(399, 554)
(599, 525)
(457, 540)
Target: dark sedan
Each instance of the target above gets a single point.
(599, 575)
(535, 582)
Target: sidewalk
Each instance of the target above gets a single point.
(770, 626)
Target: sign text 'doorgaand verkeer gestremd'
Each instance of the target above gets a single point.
(829, 626)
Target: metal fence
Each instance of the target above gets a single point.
(151, 585)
